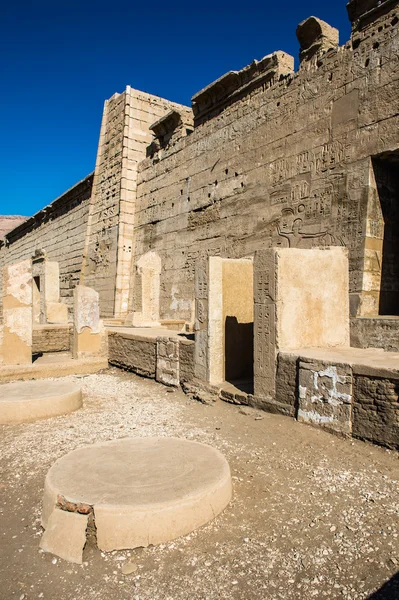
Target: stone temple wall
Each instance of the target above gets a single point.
(59, 230)
(267, 157)
(278, 159)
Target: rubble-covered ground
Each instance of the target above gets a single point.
(313, 515)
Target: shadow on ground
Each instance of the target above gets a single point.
(389, 591)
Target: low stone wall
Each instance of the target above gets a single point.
(348, 397)
(133, 353)
(169, 360)
(51, 338)
(375, 332)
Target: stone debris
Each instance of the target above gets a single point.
(292, 486)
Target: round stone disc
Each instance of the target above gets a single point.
(142, 490)
(30, 400)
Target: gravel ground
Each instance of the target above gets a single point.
(313, 515)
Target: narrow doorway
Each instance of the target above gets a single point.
(230, 327)
(386, 172)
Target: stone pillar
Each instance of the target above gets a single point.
(301, 301)
(47, 307)
(16, 338)
(146, 309)
(89, 336)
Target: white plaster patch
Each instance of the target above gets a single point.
(19, 322)
(314, 417)
(302, 392)
(19, 282)
(335, 398)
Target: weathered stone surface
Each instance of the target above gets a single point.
(46, 291)
(133, 352)
(325, 395)
(51, 338)
(167, 369)
(233, 85)
(376, 410)
(286, 380)
(16, 346)
(65, 535)
(316, 37)
(301, 300)
(89, 337)
(186, 365)
(375, 332)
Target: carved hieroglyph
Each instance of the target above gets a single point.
(89, 336)
(16, 344)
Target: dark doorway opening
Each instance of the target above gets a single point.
(386, 172)
(239, 354)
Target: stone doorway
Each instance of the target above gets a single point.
(386, 173)
(231, 310)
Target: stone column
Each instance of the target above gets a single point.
(16, 338)
(89, 336)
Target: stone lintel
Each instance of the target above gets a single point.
(233, 84)
(315, 37)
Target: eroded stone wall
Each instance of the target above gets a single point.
(284, 162)
(59, 230)
(124, 137)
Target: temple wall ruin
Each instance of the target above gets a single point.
(59, 230)
(285, 164)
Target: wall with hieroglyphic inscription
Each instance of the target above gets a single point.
(124, 138)
(285, 162)
(60, 231)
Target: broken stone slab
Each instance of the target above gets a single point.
(65, 535)
(315, 37)
(142, 491)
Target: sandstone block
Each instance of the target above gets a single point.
(65, 535)
(316, 36)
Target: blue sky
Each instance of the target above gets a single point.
(60, 61)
